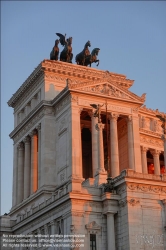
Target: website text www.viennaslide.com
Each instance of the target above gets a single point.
(38, 240)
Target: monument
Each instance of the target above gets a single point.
(69, 120)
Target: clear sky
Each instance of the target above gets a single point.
(131, 36)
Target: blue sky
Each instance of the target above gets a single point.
(131, 36)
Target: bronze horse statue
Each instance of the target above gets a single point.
(66, 55)
(80, 58)
(92, 57)
(55, 51)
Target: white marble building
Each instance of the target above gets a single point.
(60, 161)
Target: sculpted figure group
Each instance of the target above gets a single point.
(84, 58)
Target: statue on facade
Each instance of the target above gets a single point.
(66, 55)
(163, 119)
(80, 58)
(55, 51)
(97, 113)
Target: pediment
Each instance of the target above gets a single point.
(106, 88)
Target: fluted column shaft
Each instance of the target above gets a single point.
(39, 155)
(144, 160)
(94, 145)
(15, 175)
(110, 231)
(155, 154)
(27, 167)
(100, 127)
(130, 143)
(114, 145)
(34, 162)
(20, 180)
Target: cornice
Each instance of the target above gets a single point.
(51, 69)
(150, 133)
(25, 86)
(148, 111)
(35, 115)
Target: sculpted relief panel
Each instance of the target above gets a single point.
(106, 89)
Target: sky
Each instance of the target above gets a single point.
(131, 36)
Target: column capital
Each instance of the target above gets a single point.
(144, 149)
(27, 140)
(20, 145)
(32, 133)
(99, 126)
(155, 152)
(113, 116)
(129, 118)
(38, 127)
(52, 222)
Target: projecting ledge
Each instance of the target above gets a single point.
(129, 173)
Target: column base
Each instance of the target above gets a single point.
(75, 184)
(100, 177)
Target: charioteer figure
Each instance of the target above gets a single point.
(66, 55)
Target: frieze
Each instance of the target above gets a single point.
(151, 141)
(146, 188)
(131, 201)
(93, 226)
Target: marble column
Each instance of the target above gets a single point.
(100, 127)
(156, 154)
(130, 143)
(94, 144)
(34, 161)
(114, 145)
(75, 140)
(15, 175)
(101, 174)
(27, 167)
(110, 231)
(144, 160)
(39, 155)
(52, 223)
(20, 180)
